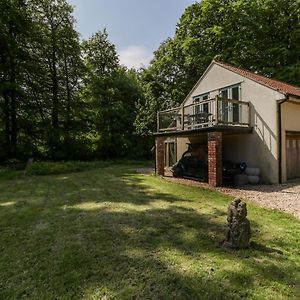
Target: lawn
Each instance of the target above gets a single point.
(103, 231)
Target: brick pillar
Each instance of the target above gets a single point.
(215, 167)
(160, 156)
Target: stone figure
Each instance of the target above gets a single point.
(238, 234)
(29, 162)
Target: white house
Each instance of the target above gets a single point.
(235, 115)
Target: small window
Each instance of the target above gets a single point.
(235, 93)
(225, 94)
(201, 107)
(232, 92)
(200, 98)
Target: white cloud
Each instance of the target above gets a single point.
(135, 56)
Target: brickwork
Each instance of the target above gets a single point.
(160, 156)
(215, 158)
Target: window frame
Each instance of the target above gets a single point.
(198, 99)
(231, 107)
(230, 87)
(168, 162)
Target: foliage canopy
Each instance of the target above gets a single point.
(63, 98)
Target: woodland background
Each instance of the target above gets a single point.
(65, 98)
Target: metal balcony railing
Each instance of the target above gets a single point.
(206, 113)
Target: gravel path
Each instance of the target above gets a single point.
(284, 197)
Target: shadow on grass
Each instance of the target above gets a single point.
(263, 248)
(138, 244)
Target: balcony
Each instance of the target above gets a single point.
(216, 112)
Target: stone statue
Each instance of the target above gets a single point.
(238, 234)
(29, 162)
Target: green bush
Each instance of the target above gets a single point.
(9, 174)
(47, 168)
(40, 168)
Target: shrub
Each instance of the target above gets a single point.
(62, 167)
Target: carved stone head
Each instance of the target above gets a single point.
(236, 202)
(242, 210)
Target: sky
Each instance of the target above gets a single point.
(136, 27)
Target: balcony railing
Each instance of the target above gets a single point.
(206, 113)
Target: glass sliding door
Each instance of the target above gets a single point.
(230, 112)
(235, 95)
(224, 110)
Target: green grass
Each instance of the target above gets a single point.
(107, 232)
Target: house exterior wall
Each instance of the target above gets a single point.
(290, 112)
(252, 150)
(182, 146)
(259, 149)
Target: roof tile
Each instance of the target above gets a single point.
(269, 82)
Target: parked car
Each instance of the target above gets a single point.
(190, 166)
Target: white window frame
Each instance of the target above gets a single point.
(199, 99)
(167, 152)
(229, 106)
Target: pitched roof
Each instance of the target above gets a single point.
(279, 86)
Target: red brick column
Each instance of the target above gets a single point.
(160, 155)
(214, 145)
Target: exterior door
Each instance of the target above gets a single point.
(293, 155)
(170, 153)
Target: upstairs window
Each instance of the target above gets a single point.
(231, 112)
(201, 107)
(232, 92)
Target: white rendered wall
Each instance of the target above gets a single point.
(259, 149)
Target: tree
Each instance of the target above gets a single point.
(111, 93)
(60, 99)
(57, 52)
(15, 26)
(101, 61)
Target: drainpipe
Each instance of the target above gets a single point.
(280, 102)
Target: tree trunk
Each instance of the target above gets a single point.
(54, 115)
(11, 129)
(54, 90)
(13, 112)
(7, 124)
(68, 92)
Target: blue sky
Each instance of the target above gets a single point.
(136, 27)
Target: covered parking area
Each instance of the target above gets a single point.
(214, 147)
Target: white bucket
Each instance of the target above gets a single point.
(253, 179)
(252, 171)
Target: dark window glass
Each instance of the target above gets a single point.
(224, 94)
(235, 93)
(236, 113)
(205, 107)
